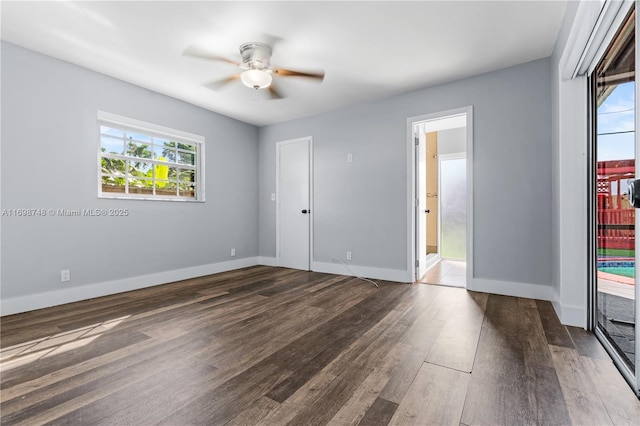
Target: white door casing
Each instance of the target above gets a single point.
(421, 201)
(412, 168)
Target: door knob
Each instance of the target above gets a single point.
(427, 211)
(305, 211)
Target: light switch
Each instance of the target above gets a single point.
(273, 196)
(349, 158)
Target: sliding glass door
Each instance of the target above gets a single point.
(613, 118)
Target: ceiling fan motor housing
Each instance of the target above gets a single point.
(255, 55)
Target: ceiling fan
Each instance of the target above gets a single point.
(257, 70)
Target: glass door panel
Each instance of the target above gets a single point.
(614, 119)
(453, 207)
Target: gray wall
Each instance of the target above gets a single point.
(49, 160)
(362, 206)
(49, 151)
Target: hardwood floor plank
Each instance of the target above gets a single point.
(546, 399)
(436, 396)
(622, 407)
(374, 345)
(328, 284)
(41, 317)
(586, 343)
(69, 354)
(356, 407)
(328, 400)
(498, 390)
(297, 285)
(514, 379)
(379, 414)
(420, 337)
(535, 346)
(253, 415)
(362, 355)
(583, 402)
(276, 346)
(148, 389)
(355, 366)
(556, 333)
(309, 354)
(455, 346)
(223, 403)
(303, 397)
(100, 380)
(326, 297)
(115, 398)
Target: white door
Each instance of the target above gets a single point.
(294, 203)
(421, 201)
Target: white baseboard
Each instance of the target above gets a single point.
(569, 315)
(73, 294)
(267, 261)
(575, 316)
(508, 288)
(362, 271)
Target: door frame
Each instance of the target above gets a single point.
(616, 17)
(411, 188)
(309, 140)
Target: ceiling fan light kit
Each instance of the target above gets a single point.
(256, 78)
(258, 72)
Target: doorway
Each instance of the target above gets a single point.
(294, 203)
(614, 248)
(441, 153)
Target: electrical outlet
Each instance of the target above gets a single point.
(233, 252)
(349, 158)
(65, 275)
(348, 255)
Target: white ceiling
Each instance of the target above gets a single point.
(368, 50)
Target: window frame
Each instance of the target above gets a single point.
(155, 131)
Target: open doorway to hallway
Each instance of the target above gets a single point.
(441, 174)
(446, 272)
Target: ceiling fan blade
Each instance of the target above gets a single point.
(275, 93)
(219, 84)
(291, 73)
(196, 52)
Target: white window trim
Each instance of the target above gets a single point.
(109, 119)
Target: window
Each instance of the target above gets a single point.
(141, 160)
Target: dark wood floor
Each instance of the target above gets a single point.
(275, 346)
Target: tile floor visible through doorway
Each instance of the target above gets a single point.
(446, 272)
